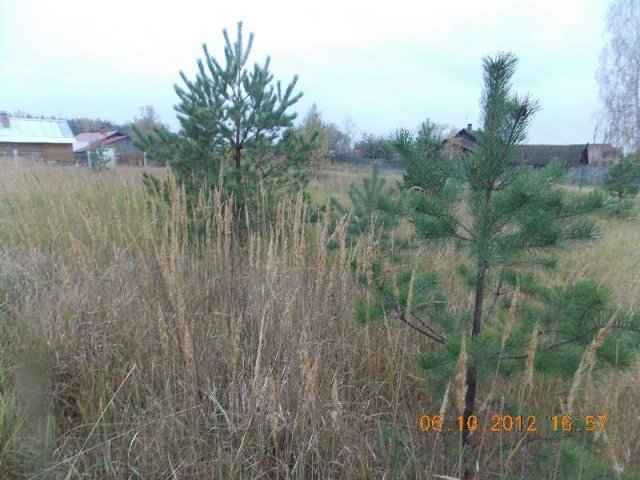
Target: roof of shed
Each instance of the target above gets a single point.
(541, 155)
(535, 155)
(89, 140)
(96, 136)
(36, 130)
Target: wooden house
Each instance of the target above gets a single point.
(601, 155)
(35, 140)
(117, 146)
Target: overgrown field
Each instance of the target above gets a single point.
(130, 349)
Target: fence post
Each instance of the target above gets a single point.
(89, 159)
(144, 159)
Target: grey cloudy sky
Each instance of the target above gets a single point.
(385, 64)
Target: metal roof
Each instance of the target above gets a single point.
(36, 130)
(95, 136)
(83, 147)
(89, 140)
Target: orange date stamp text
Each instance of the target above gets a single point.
(514, 423)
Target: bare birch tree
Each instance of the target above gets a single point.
(619, 76)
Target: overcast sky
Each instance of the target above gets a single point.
(385, 65)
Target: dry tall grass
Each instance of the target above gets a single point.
(131, 349)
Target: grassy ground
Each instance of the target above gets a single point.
(128, 351)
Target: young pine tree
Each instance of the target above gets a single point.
(623, 182)
(374, 206)
(234, 118)
(508, 219)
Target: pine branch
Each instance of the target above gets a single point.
(399, 313)
(428, 332)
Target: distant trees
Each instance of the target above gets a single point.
(382, 147)
(376, 147)
(84, 124)
(147, 121)
(149, 134)
(619, 77)
(339, 139)
(23, 114)
(314, 130)
(330, 139)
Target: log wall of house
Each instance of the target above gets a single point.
(38, 152)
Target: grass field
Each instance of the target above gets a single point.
(129, 350)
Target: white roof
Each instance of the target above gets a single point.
(35, 130)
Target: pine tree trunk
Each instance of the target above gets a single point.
(238, 156)
(469, 401)
(479, 300)
(471, 381)
(238, 145)
(472, 375)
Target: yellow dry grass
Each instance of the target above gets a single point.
(131, 349)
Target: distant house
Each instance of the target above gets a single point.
(118, 147)
(596, 157)
(461, 143)
(35, 140)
